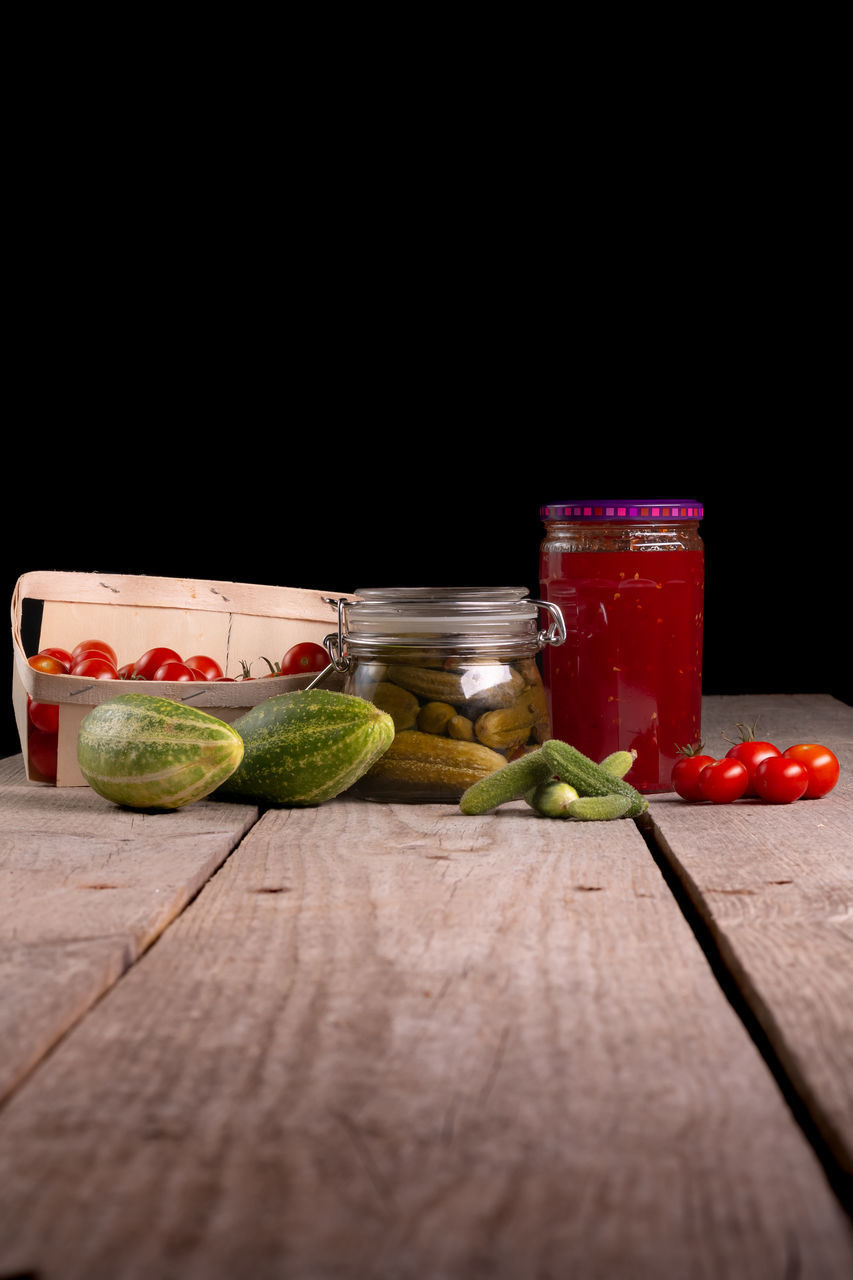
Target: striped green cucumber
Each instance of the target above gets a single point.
(144, 752)
(587, 777)
(308, 746)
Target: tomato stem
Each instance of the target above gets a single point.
(747, 734)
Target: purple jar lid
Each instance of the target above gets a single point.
(643, 510)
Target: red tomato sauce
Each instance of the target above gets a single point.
(629, 674)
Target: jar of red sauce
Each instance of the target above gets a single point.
(629, 578)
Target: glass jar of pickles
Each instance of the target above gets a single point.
(456, 669)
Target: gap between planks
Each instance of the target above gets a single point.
(839, 1178)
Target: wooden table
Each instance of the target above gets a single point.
(367, 1041)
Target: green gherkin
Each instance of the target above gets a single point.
(145, 752)
(306, 747)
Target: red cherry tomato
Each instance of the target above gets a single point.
(751, 753)
(304, 657)
(61, 655)
(723, 781)
(819, 763)
(126, 672)
(779, 780)
(85, 654)
(685, 773)
(95, 669)
(145, 666)
(99, 646)
(173, 671)
(44, 715)
(41, 753)
(47, 665)
(209, 667)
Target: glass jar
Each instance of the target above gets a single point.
(456, 670)
(629, 579)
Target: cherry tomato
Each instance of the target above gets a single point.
(41, 753)
(145, 666)
(95, 669)
(686, 770)
(61, 655)
(751, 753)
(304, 657)
(819, 763)
(49, 666)
(126, 672)
(780, 780)
(723, 781)
(85, 654)
(99, 646)
(209, 667)
(173, 671)
(44, 715)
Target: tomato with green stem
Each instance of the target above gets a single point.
(751, 751)
(686, 770)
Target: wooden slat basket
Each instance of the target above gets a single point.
(232, 622)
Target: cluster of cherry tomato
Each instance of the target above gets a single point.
(97, 660)
(756, 769)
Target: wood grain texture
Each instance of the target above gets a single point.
(774, 885)
(85, 888)
(395, 1042)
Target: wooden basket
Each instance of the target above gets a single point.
(232, 622)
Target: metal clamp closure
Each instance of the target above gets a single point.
(556, 631)
(335, 641)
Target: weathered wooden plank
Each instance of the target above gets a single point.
(85, 888)
(774, 886)
(395, 1042)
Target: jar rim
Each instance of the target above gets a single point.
(441, 611)
(639, 510)
(453, 617)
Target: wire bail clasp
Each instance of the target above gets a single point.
(334, 645)
(556, 631)
(334, 642)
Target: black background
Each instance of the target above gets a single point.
(334, 361)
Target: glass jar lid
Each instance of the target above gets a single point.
(641, 510)
(452, 617)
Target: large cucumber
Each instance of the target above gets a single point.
(145, 752)
(306, 747)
